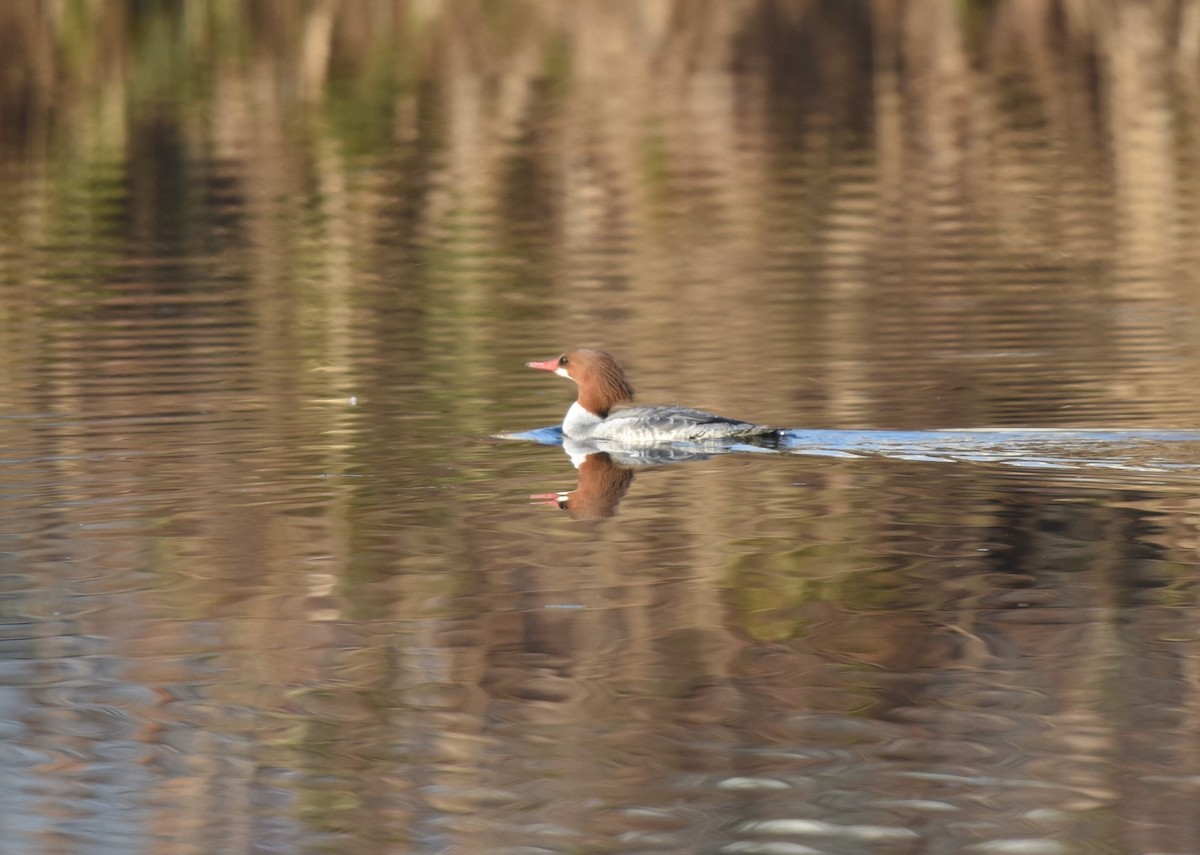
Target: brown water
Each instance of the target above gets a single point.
(268, 277)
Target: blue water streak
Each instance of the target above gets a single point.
(1138, 450)
(987, 438)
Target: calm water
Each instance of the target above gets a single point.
(270, 583)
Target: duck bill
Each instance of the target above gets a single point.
(548, 365)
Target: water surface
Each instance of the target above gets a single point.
(268, 279)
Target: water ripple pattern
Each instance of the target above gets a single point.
(269, 276)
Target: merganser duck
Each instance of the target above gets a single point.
(598, 412)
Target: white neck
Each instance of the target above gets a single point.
(579, 422)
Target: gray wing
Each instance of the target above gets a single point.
(668, 418)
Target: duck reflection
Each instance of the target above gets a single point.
(602, 484)
(605, 476)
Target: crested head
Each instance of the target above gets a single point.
(601, 380)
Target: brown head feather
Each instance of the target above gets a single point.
(602, 383)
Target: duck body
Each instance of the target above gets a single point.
(644, 425)
(604, 409)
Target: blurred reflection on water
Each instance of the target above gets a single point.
(269, 273)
